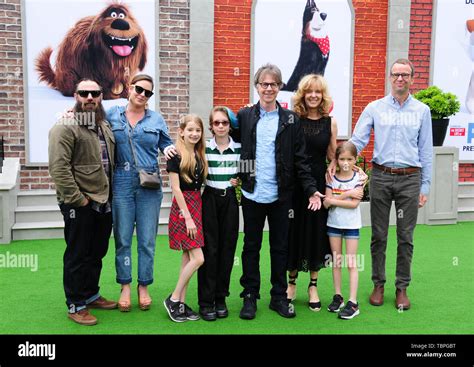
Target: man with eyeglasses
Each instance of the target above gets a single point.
(81, 157)
(272, 157)
(402, 159)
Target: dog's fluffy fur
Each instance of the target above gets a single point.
(311, 59)
(108, 48)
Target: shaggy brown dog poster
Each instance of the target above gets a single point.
(108, 41)
(107, 48)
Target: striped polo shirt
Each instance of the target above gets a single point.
(222, 166)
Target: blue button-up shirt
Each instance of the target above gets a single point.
(148, 135)
(402, 135)
(266, 185)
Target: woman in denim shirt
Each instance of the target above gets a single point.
(139, 133)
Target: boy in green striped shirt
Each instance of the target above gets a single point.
(220, 213)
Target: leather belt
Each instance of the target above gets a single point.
(220, 192)
(396, 171)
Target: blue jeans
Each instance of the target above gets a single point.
(344, 233)
(134, 204)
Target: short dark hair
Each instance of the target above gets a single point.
(404, 62)
(87, 80)
(222, 109)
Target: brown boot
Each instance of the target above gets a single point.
(103, 304)
(83, 317)
(376, 298)
(401, 301)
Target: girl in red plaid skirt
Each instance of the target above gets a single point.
(187, 173)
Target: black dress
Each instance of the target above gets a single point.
(308, 240)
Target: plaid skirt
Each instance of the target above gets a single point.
(179, 240)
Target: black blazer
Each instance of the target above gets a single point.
(291, 159)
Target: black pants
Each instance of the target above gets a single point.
(220, 219)
(87, 234)
(254, 221)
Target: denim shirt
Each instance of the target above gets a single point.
(148, 135)
(266, 185)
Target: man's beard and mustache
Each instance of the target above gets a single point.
(95, 109)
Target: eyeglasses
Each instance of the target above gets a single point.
(404, 76)
(220, 122)
(140, 90)
(93, 93)
(272, 85)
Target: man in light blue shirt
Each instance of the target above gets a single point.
(266, 187)
(402, 159)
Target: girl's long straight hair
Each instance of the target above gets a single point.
(188, 161)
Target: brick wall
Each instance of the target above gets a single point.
(174, 66)
(370, 58)
(174, 80)
(232, 54)
(421, 18)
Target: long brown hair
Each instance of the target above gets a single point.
(306, 84)
(188, 161)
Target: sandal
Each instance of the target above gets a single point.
(124, 306)
(144, 306)
(314, 306)
(292, 281)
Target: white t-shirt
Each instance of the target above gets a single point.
(344, 218)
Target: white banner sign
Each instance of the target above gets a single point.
(60, 50)
(453, 68)
(280, 26)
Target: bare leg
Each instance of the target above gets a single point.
(125, 298)
(291, 290)
(351, 254)
(313, 291)
(336, 250)
(194, 259)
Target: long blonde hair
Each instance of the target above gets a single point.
(306, 84)
(188, 161)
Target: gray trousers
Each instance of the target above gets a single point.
(405, 191)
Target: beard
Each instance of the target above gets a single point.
(97, 112)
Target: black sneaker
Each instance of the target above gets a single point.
(190, 314)
(337, 303)
(249, 308)
(283, 307)
(208, 313)
(175, 310)
(350, 311)
(221, 309)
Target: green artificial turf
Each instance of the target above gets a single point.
(441, 293)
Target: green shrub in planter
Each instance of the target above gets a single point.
(442, 105)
